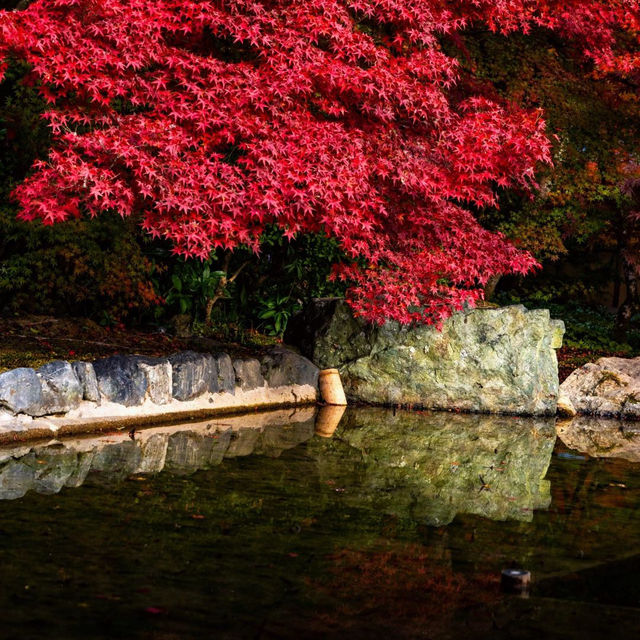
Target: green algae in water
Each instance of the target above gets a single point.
(398, 525)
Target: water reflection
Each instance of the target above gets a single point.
(602, 438)
(437, 465)
(428, 466)
(180, 449)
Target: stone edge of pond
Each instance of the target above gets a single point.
(65, 398)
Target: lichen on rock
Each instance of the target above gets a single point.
(483, 360)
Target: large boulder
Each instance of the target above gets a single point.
(609, 387)
(482, 360)
(248, 373)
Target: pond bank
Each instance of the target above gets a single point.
(62, 398)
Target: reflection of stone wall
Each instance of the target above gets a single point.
(179, 449)
(438, 465)
(484, 360)
(61, 394)
(428, 467)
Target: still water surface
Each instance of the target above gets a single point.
(396, 526)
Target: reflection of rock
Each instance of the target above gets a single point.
(16, 478)
(276, 439)
(56, 465)
(601, 438)
(190, 450)
(608, 387)
(486, 360)
(438, 465)
(180, 449)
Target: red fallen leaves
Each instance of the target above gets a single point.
(215, 118)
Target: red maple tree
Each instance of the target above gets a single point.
(213, 118)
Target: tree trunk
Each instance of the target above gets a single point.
(490, 287)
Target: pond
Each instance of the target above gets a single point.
(396, 526)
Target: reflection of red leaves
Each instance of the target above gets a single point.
(197, 516)
(418, 589)
(155, 610)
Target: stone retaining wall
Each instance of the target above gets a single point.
(66, 397)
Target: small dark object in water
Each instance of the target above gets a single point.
(132, 433)
(515, 581)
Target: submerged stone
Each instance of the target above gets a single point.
(483, 360)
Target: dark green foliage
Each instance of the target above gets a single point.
(259, 291)
(93, 268)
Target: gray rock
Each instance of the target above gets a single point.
(483, 360)
(21, 391)
(248, 373)
(158, 373)
(87, 376)
(282, 367)
(223, 379)
(121, 380)
(193, 374)
(609, 387)
(61, 389)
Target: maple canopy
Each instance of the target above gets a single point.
(212, 119)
